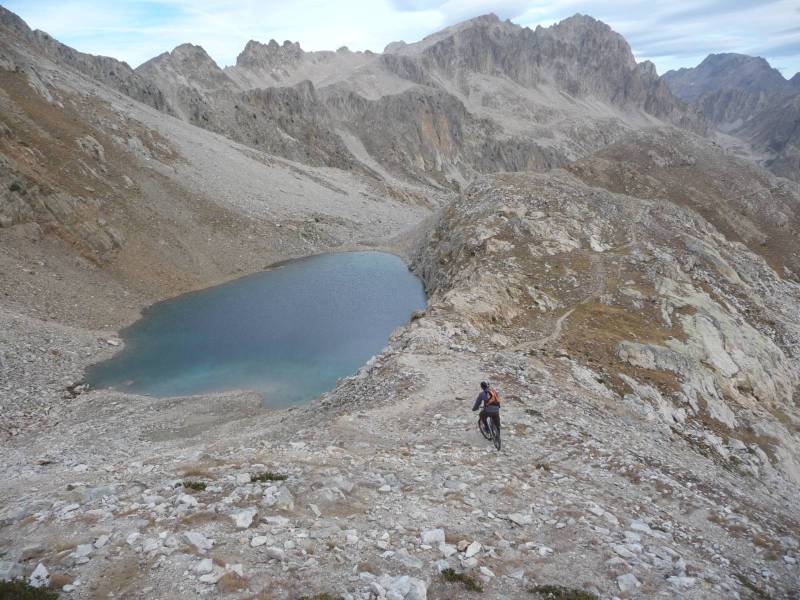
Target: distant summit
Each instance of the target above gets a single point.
(724, 71)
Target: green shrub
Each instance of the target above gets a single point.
(199, 486)
(267, 476)
(20, 590)
(556, 592)
(469, 583)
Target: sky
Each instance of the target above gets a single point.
(678, 33)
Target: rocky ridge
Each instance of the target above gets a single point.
(444, 81)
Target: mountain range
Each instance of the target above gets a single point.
(616, 251)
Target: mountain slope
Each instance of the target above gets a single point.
(744, 96)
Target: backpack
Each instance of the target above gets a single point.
(494, 398)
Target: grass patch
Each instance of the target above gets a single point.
(231, 582)
(197, 471)
(556, 592)
(268, 476)
(20, 590)
(198, 486)
(450, 576)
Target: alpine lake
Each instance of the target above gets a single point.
(289, 333)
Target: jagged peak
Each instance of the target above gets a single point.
(255, 51)
(648, 68)
(192, 52)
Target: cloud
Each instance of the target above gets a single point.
(673, 34)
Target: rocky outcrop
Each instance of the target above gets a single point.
(678, 316)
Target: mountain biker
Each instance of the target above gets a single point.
(491, 405)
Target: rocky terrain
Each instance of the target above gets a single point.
(744, 96)
(630, 286)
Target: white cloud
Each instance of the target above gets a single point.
(678, 33)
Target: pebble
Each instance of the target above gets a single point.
(472, 549)
(198, 540)
(432, 537)
(204, 566)
(40, 577)
(627, 582)
(244, 518)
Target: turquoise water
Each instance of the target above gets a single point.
(288, 333)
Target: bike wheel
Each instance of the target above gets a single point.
(485, 428)
(495, 434)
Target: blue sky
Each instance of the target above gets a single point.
(671, 34)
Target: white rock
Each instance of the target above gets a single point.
(204, 566)
(627, 582)
(276, 553)
(101, 541)
(682, 582)
(447, 550)
(403, 587)
(520, 519)
(789, 560)
(642, 527)
(258, 540)
(132, 538)
(198, 540)
(486, 572)
(624, 552)
(432, 537)
(544, 550)
(472, 549)
(82, 550)
(385, 489)
(40, 577)
(276, 521)
(243, 478)
(244, 518)
(187, 500)
(211, 578)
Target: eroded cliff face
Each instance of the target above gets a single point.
(484, 77)
(667, 313)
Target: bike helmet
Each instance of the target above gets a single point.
(484, 385)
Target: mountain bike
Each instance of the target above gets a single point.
(490, 431)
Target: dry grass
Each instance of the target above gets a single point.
(199, 518)
(231, 582)
(59, 580)
(199, 471)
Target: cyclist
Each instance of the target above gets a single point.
(491, 405)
